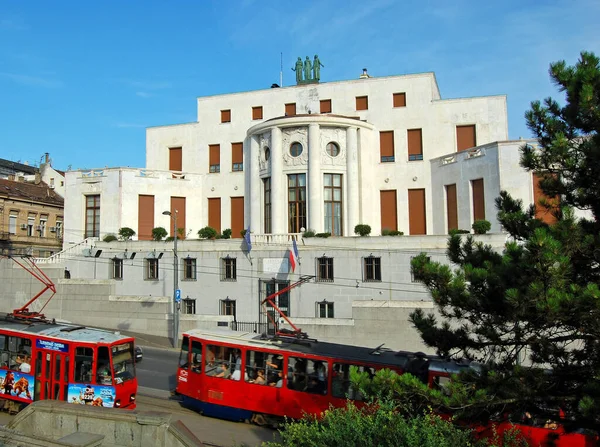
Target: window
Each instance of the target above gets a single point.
(92, 216)
(12, 222)
(267, 202)
(117, 268)
(175, 159)
(221, 361)
(296, 202)
(14, 351)
(151, 269)
(478, 199)
(43, 224)
(59, 225)
(225, 116)
(237, 157)
(451, 207)
(263, 368)
(371, 269)
(227, 307)
(266, 153)
(295, 149)
(332, 149)
(325, 269)
(466, 137)
(228, 269)
(30, 225)
(189, 306)
(386, 146)
(307, 375)
(84, 357)
(290, 109)
(324, 309)
(214, 154)
(412, 274)
(415, 144)
(326, 106)
(282, 300)
(417, 217)
(257, 113)
(362, 103)
(214, 213)
(341, 385)
(399, 99)
(332, 184)
(189, 269)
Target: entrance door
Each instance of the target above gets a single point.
(282, 301)
(51, 375)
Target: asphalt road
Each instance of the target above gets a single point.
(158, 368)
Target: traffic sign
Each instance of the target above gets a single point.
(177, 295)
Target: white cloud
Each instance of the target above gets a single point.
(144, 94)
(32, 81)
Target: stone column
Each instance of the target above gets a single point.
(278, 187)
(314, 183)
(352, 179)
(255, 196)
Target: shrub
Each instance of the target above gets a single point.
(309, 233)
(362, 229)
(457, 231)
(481, 226)
(170, 239)
(180, 233)
(126, 233)
(386, 232)
(110, 237)
(243, 232)
(226, 234)
(323, 235)
(158, 233)
(207, 233)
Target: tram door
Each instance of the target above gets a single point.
(51, 370)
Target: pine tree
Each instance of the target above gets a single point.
(531, 314)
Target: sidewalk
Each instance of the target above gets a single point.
(152, 341)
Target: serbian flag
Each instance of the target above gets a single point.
(292, 260)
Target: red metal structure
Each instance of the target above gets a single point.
(245, 376)
(42, 359)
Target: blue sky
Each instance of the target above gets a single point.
(82, 80)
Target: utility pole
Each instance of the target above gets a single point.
(176, 292)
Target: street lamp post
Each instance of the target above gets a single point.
(175, 280)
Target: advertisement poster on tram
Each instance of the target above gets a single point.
(94, 395)
(17, 385)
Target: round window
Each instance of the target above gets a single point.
(295, 149)
(333, 149)
(267, 153)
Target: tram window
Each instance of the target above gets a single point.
(19, 350)
(103, 373)
(123, 364)
(220, 361)
(340, 383)
(257, 368)
(196, 356)
(83, 364)
(441, 383)
(307, 375)
(184, 353)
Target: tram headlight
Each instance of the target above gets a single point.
(132, 398)
(117, 403)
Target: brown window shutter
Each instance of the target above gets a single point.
(415, 141)
(362, 103)
(225, 116)
(399, 99)
(178, 203)
(175, 159)
(465, 137)
(326, 106)
(541, 212)
(290, 109)
(257, 113)
(417, 223)
(389, 212)
(214, 154)
(145, 217)
(478, 200)
(451, 207)
(386, 143)
(237, 217)
(237, 152)
(214, 213)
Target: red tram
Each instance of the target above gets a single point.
(41, 359)
(245, 376)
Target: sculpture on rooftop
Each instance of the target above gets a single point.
(308, 72)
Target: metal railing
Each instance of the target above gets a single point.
(254, 327)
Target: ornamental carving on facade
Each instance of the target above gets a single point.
(294, 135)
(264, 142)
(338, 137)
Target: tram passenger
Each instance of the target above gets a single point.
(279, 382)
(274, 366)
(25, 366)
(337, 382)
(104, 376)
(238, 360)
(224, 371)
(260, 378)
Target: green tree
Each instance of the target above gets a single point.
(532, 313)
(126, 233)
(158, 233)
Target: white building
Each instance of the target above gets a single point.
(388, 152)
